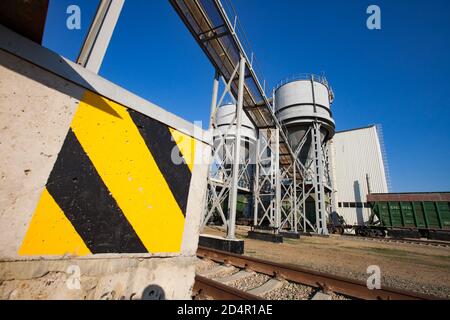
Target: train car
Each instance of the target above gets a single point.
(408, 215)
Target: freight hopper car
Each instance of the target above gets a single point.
(412, 215)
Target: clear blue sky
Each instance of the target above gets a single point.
(398, 77)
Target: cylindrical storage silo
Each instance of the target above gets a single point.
(224, 130)
(224, 137)
(302, 106)
(301, 102)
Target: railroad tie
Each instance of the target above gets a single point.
(267, 287)
(235, 277)
(215, 271)
(321, 296)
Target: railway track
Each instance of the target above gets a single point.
(235, 277)
(433, 243)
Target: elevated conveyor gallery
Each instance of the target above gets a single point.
(218, 38)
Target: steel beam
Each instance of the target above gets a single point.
(214, 99)
(318, 181)
(277, 180)
(237, 148)
(97, 40)
(256, 186)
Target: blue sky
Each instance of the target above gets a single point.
(398, 77)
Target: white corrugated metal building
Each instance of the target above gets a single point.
(359, 168)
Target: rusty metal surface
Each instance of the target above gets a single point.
(218, 291)
(407, 197)
(326, 282)
(25, 17)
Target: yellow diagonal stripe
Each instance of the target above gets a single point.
(186, 144)
(51, 233)
(119, 153)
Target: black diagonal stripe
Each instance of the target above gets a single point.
(85, 200)
(159, 140)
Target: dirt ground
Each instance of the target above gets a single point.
(424, 269)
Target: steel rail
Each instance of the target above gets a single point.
(432, 243)
(326, 282)
(219, 291)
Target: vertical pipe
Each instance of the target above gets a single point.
(237, 148)
(214, 100)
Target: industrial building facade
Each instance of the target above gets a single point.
(360, 169)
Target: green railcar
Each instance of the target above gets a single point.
(421, 215)
(427, 215)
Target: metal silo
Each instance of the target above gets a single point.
(303, 107)
(226, 128)
(224, 137)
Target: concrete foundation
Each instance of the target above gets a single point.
(263, 236)
(290, 235)
(118, 278)
(309, 234)
(222, 244)
(121, 240)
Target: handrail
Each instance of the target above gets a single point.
(303, 76)
(307, 76)
(245, 43)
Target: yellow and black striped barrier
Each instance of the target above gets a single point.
(116, 186)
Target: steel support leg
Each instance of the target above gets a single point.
(237, 147)
(219, 177)
(99, 35)
(318, 181)
(277, 180)
(256, 185)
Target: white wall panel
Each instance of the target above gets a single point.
(357, 153)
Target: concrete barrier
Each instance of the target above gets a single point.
(101, 191)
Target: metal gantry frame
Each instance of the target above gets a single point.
(280, 192)
(297, 183)
(289, 205)
(267, 189)
(282, 183)
(228, 173)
